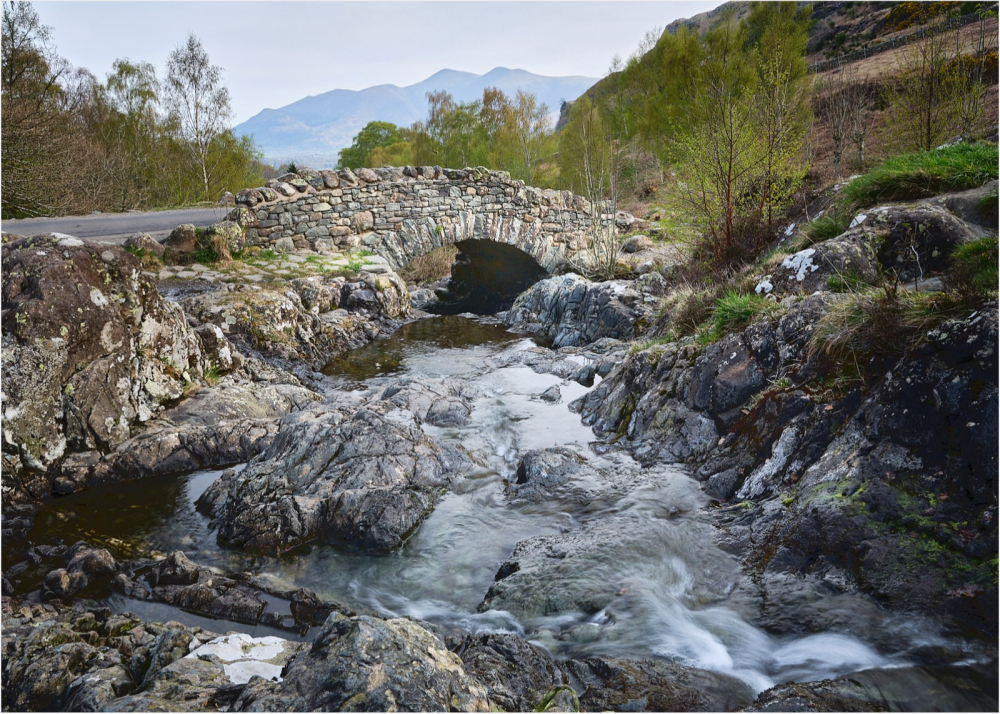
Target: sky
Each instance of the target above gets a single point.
(274, 53)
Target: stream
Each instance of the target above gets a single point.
(676, 594)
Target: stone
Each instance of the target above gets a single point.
(362, 483)
(250, 197)
(368, 664)
(243, 217)
(91, 352)
(636, 244)
(143, 243)
(182, 239)
(362, 221)
(367, 175)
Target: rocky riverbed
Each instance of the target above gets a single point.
(302, 494)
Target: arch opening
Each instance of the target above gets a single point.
(486, 278)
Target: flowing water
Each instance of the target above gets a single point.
(677, 595)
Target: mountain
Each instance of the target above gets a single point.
(314, 130)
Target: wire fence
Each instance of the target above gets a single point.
(894, 42)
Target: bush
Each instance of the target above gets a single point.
(687, 308)
(923, 174)
(973, 273)
(430, 267)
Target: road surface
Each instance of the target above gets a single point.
(116, 227)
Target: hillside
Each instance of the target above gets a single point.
(315, 129)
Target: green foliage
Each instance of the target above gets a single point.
(375, 134)
(828, 226)
(846, 282)
(734, 310)
(922, 174)
(973, 271)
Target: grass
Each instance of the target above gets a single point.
(923, 174)
(831, 225)
(736, 310)
(973, 271)
(881, 321)
(846, 282)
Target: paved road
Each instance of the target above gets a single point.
(116, 227)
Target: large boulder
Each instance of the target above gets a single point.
(574, 311)
(361, 479)
(368, 664)
(90, 353)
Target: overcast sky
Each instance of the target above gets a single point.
(275, 53)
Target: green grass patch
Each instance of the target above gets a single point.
(736, 310)
(643, 345)
(828, 226)
(973, 271)
(923, 174)
(847, 282)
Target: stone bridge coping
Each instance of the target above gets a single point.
(293, 186)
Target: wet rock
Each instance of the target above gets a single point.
(551, 395)
(90, 352)
(516, 673)
(361, 481)
(655, 686)
(368, 664)
(574, 311)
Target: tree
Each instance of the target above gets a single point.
(131, 130)
(375, 134)
(196, 96)
(525, 130)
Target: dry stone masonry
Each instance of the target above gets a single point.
(403, 213)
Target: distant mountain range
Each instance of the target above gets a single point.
(314, 130)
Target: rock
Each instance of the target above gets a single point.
(224, 238)
(448, 412)
(243, 217)
(217, 350)
(967, 205)
(250, 197)
(285, 189)
(362, 221)
(182, 239)
(574, 311)
(847, 259)
(143, 244)
(330, 179)
(90, 353)
(367, 175)
(368, 664)
(361, 482)
(551, 395)
(516, 674)
(656, 686)
(636, 244)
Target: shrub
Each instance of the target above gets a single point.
(687, 308)
(922, 174)
(430, 267)
(973, 272)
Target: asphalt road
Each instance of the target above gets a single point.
(116, 227)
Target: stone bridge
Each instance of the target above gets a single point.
(403, 213)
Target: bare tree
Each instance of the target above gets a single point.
(195, 94)
(847, 107)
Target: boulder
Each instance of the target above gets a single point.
(636, 244)
(143, 244)
(362, 481)
(224, 238)
(91, 352)
(182, 239)
(250, 197)
(574, 311)
(368, 664)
